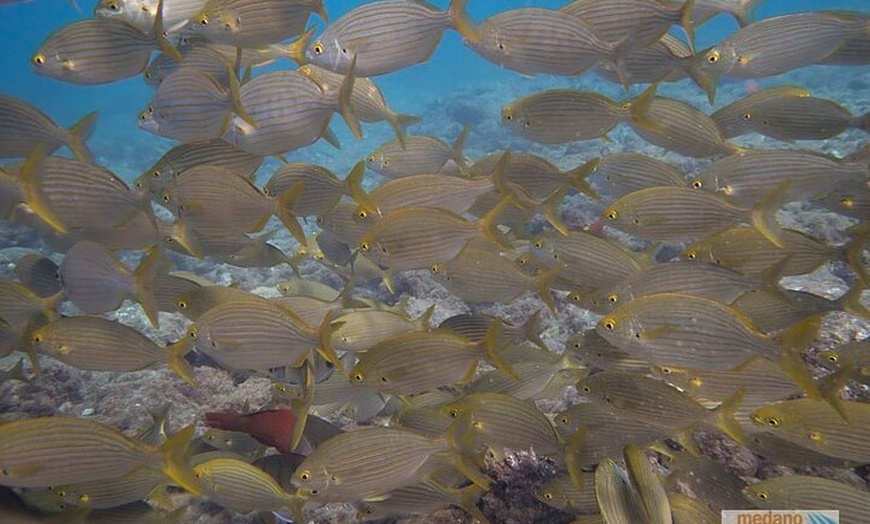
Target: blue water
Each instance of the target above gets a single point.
(120, 144)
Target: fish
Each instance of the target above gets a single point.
(50, 451)
(484, 275)
(203, 59)
(676, 214)
(191, 105)
(387, 36)
(69, 195)
(252, 23)
(441, 191)
(362, 329)
(372, 461)
(213, 201)
(98, 344)
(713, 484)
(23, 126)
(747, 177)
(617, 497)
(259, 253)
(99, 51)
(473, 327)
(271, 427)
(734, 119)
(535, 176)
(676, 126)
(418, 155)
(632, 24)
(850, 198)
(660, 61)
(597, 352)
(790, 118)
(38, 273)
(687, 510)
(20, 307)
(683, 277)
(787, 453)
(760, 49)
(241, 487)
(532, 40)
(806, 492)
(658, 403)
(559, 116)
(621, 173)
(816, 425)
(588, 261)
(650, 489)
(188, 155)
(366, 99)
(258, 335)
(141, 13)
(745, 250)
(741, 10)
(321, 189)
(99, 494)
(544, 376)
(418, 361)
(564, 494)
(498, 422)
(417, 237)
(424, 498)
(96, 281)
(288, 111)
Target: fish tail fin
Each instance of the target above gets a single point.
(164, 45)
(456, 152)
(831, 386)
(236, 98)
(460, 437)
(145, 275)
(400, 122)
(467, 498)
(853, 252)
(725, 416)
(639, 108)
(176, 361)
(532, 330)
(745, 10)
(300, 406)
(489, 222)
(423, 321)
(320, 9)
(862, 122)
(462, 23)
(550, 210)
(793, 341)
(543, 282)
(344, 105)
(354, 187)
(76, 5)
(285, 202)
(324, 336)
(686, 13)
(34, 197)
(851, 300)
(578, 175)
(296, 50)
(491, 343)
(330, 138)
(175, 461)
(764, 214)
(705, 81)
(79, 134)
(572, 456)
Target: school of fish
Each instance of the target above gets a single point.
(681, 273)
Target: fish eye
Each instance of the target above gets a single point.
(539, 244)
(574, 297)
(763, 495)
(156, 174)
(317, 48)
(305, 475)
(39, 59)
(371, 159)
(612, 214)
(613, 298)
(815, 436)
(192, 334)
(697, 184)
(203, 20)
(586, 389)
(833, 358)
(548, 496)
(182, 304)
(691, 255)
(609, 324)
(362, 215)
(364, 246)
(747, 116)
(773, 422)
(847, 202)
(454, 413)
(113, 6)
(435, 269)
(357, 377)
(666, 370)
(564, 419)
(636, 220)
(83, 499)
(713, 57)
(37, 338)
